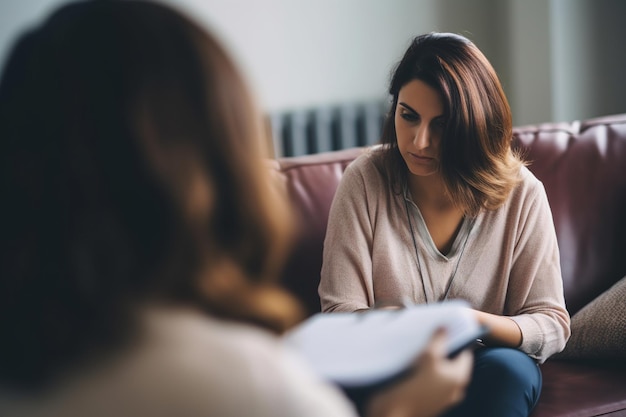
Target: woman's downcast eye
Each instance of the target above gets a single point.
(409, 117)
(439, 123)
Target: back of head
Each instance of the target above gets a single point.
(131, 172)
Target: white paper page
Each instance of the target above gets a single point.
(354, 349)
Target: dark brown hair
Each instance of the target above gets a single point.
(477, 164)
(131, 172)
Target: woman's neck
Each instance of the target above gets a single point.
(430, 192)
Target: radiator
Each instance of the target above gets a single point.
(323, 129)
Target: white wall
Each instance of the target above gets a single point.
(303, 53)
(528, 52)
(589, 63)
(557, 59)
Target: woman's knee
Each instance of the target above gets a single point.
(507, 363)
(510, 372)
(505, 383)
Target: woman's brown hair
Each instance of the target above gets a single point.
(477, 164)
(131, 172)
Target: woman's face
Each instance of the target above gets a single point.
(420, 121)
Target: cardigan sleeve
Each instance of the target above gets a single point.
(536, 283)
(346, 275)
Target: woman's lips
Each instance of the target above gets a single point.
(421, 158)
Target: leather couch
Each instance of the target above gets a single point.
(583, 167)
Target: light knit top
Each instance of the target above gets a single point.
(506, 261)
(191, 365)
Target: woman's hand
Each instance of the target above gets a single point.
(503, 331)
(436, 384)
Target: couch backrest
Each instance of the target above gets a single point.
(582, 165)
(583, 168)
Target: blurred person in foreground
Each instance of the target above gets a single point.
(141, 235)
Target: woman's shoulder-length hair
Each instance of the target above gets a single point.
(478, 166)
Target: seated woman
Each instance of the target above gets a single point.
(446, 210)
(141, 235)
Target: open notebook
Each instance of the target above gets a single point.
(361, 349)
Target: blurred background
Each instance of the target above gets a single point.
(558, 60)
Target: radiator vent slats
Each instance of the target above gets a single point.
(323, 129)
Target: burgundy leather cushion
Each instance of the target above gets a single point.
(579, 389)
(311, 183)
(583, 168)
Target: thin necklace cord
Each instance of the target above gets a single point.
(419, 263)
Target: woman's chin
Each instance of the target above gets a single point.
(423, 171)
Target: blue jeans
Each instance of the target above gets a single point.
(505, 383)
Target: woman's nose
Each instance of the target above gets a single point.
(422, 137)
